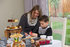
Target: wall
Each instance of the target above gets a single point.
(8, 9)
(27, 5)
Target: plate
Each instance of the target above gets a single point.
(29, 38)
(36, 38)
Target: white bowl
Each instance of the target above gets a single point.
(43, 36)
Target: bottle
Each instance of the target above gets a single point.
(32, 43)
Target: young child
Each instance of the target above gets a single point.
(44, 28)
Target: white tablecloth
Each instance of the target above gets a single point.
(55, 43)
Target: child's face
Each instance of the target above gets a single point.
(43, 24)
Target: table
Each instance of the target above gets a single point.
(55, 43)
(8, 32)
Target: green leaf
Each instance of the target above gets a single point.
(14, 38)
(18, 39)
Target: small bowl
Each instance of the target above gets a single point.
(43, 36)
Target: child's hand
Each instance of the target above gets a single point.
(30, 33)
(33, 34)
(26, 34)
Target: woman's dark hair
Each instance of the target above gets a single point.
(44, 18)
(36, 7)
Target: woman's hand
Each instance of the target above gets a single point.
(26, 34)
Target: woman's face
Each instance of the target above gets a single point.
(35, 14)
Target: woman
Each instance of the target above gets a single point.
(29, 21)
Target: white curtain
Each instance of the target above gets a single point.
(28, 4)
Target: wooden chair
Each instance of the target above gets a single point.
(58, 25)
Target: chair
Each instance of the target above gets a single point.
(58, 25)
